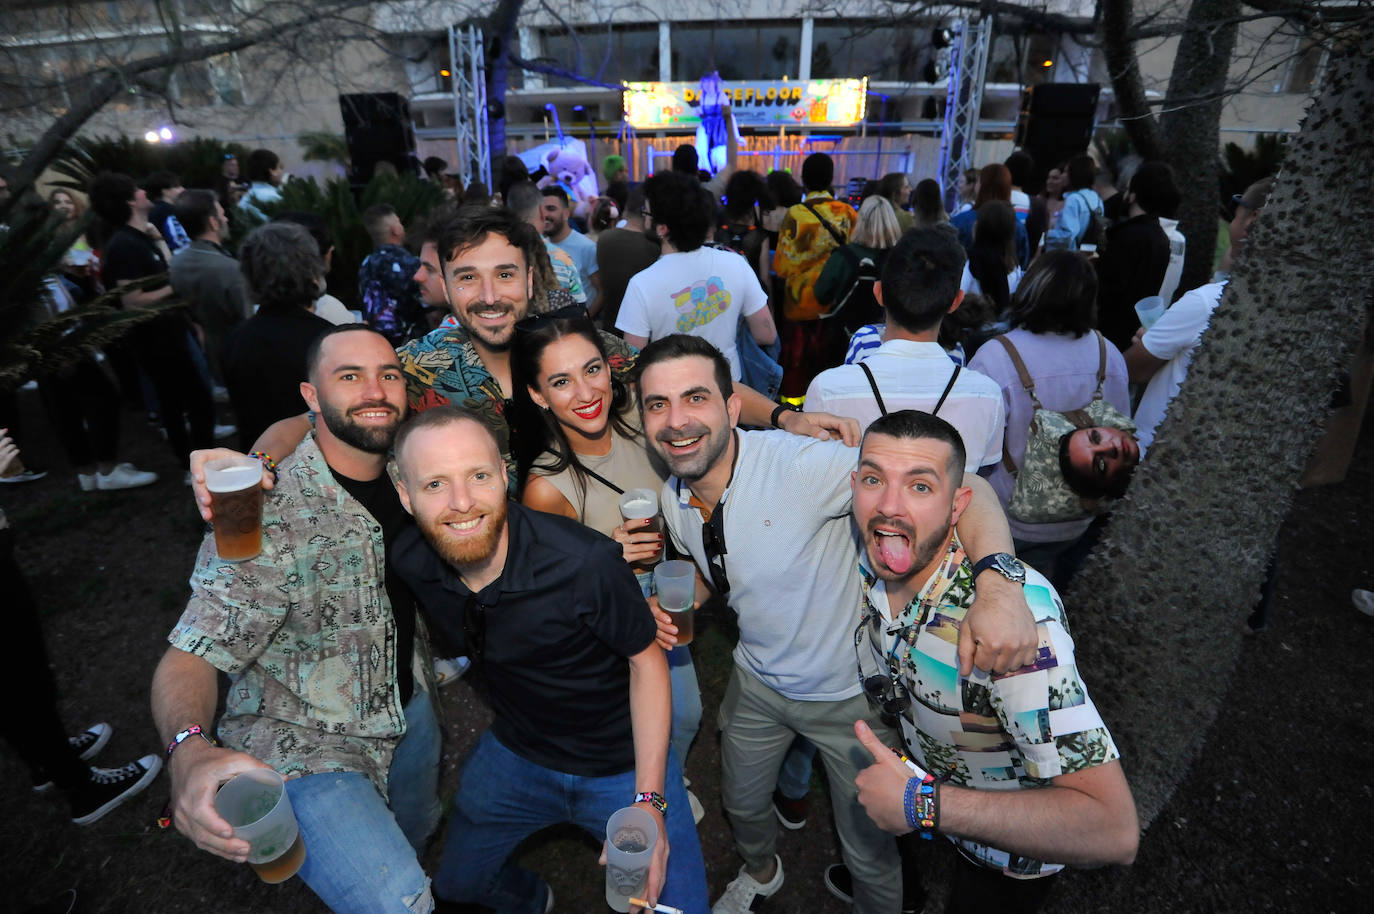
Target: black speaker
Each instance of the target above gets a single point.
(1056, 122)
(377, 128)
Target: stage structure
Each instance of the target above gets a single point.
(469, 81)
(968, 57)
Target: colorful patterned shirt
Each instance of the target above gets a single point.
(443, 367)
(565, 271)
(804, 245)
(305, 632)
(389, 293)
(1016, 731)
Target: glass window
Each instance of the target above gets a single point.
(754, 51)
(627, 53)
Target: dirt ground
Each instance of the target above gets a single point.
(1275, 815)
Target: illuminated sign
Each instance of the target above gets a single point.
(755, 103)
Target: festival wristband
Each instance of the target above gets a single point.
(921, 803)
(778, 411)
(267, 462)
(655, 800)
(186, 734)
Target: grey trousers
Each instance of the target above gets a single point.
(757, 726)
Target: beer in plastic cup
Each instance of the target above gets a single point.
(641, 504)
(235, 485)
(256, 804)
(631, 834)
(676, 582)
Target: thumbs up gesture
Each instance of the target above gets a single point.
(882, 784)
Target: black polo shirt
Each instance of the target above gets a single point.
(556, 630)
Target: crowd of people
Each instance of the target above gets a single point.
(884, 437)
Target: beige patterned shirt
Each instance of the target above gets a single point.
(305, 631)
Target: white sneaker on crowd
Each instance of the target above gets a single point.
(24, 475)
(86, 481)
(123, 476)
(224, 431)
(449, 670)
(1363, 600)
(744, 890)
(698, 813)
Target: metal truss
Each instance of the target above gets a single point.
(469, 80)
(968, 58)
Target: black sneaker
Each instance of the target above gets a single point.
(791, 813)
(108, 787)
(86, 744)
(840, 884)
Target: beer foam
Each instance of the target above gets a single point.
(232, 479)
(639, 504)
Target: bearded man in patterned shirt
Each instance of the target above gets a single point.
(1017, 769)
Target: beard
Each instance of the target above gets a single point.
(369, 439)
(470, 551)
(691, 467)
(485, 335)
(923, 554)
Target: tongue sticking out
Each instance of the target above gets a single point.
(895, 552)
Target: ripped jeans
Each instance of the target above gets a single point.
(360, 851)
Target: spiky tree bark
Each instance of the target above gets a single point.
(1158, 608)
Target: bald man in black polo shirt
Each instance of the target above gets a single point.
(555, 620)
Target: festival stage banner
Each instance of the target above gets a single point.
(755, 103)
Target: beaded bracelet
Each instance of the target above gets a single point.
(920, 802)
(267, 462)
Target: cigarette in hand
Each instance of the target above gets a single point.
(660, 908)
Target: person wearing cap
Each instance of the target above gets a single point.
(1159, 356)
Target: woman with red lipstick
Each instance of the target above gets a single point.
(579, 446)
(1053, 312)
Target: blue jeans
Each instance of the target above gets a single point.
(360, 850)
(505, 798)
(794, 778)
(682, 676)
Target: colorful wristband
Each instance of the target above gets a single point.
(267, 462)
(655, 800)
(921, 804)
(186, 734)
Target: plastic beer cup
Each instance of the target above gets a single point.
(235, 485)
(256, 804)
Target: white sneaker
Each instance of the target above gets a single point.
(450, 670)
(698, 813)
(744, 890)
(224, 431)
(124, 476)
(86, 481)
(1363, 600)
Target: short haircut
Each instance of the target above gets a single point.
(428, 229)
(316, 347)
(110, 193)
(818, 172)
(877, 226)
(1088, 484)
(1022, 168)
(158, 182)
(1155, 190)
(438, 417)
(1082, 171)
(553, 190)
(683, 205)
(435, 165)
(744, 191)
(476, 192)
(681, 346)
(634, 201)
(194, 209)
(1058, 294)
(685, 159)
(928, 204)
(619, 191)
(912, 424)
(471, 225)
(282, 265)
(921, 278)
(261, 162)
(512, 170)
(784, 188)
(523, 199)
(994, 183)
(376, 218)
(314, 224)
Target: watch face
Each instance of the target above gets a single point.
(1011, 567)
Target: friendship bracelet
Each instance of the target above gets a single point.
(194, 730)
(267, 462)
(920, 802)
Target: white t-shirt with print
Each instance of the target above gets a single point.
(701, 292)
(1173, 337)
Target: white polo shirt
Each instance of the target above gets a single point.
(792, 560)
(912, 375)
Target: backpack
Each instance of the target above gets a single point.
(1096, 232)
(1041, 496)
(863, 307)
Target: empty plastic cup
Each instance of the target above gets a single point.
(1149, 310)
(631, 834)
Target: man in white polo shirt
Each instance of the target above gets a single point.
(910, 370)
(789, 571)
